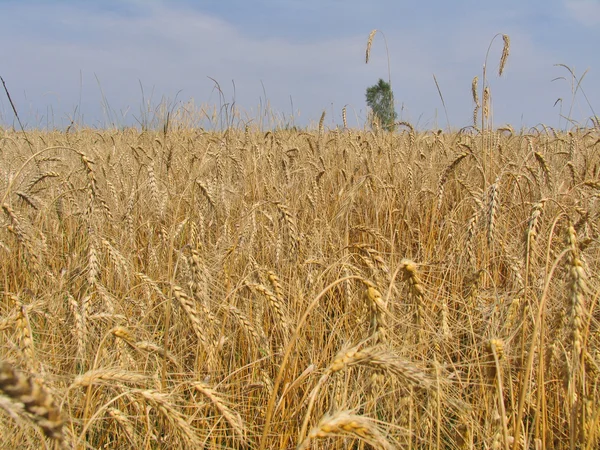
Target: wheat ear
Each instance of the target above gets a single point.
(446, 174)
(232, 417)
(379, 307)
(493, 206)
(505, 53)
(344, 423)
(474, 85)
(369, 44)
(376, 358)
(409, 270)
(486, 102)
(187, 304)
(321, 122)
(179, 421)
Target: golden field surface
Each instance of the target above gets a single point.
(300, 289)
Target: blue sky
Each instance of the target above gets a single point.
(299, 56)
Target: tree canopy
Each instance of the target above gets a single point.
(380, 99)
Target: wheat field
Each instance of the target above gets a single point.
(330, 289)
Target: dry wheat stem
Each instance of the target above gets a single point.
(496, 347)
(287, 353)
(531, 353)
(577, 290)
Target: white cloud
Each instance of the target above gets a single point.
(171, 47)
(586, 12)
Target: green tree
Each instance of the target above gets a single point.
(380, 99)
